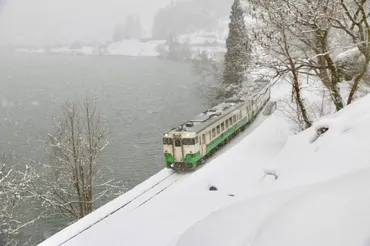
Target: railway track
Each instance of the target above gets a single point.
(138, 201)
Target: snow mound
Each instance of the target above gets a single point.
(348, 55)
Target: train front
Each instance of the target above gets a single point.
(181, 150)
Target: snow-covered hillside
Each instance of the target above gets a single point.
(319, 198)
(212, 42)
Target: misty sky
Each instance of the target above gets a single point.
(61, 21)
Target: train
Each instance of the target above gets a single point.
(193, 142)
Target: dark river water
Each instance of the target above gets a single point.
(139, 98)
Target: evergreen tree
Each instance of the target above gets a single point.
(237, 55)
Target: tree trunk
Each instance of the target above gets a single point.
(356, 82)
(326, 63)
(297, 94)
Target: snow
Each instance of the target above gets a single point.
(124, 48)
(352, 54)
(211, 41)
(134, 48)
(106, 210)
(322, 190)
(320, 196)
(85, 50)
(25, 50)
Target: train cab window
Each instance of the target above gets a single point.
(227, 124)
(218, 130)
(222, 126)
(177, 142)
(204, 138)
(213, 132)
(167, 141)
(188, 141)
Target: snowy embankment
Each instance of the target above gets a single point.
(319, 198)
(134, 48)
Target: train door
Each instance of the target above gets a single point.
(203, 145)
(178, 149)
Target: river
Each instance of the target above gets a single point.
(138, 98)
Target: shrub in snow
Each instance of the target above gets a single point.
(213, 188)
(271, 173)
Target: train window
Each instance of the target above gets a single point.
(234, 118)
(167, 141)
(240, 114)
(230, 121)
(218, 130)
(204, 138)
(213, 132)
(227, 124)
(210, 137)
(222, 126)
(177, 142)
(188, 141)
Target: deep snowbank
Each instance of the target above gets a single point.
(320, 198)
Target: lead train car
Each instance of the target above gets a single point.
(189, 144)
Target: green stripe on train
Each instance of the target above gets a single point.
(192, 158)
(189, 158)
(169, 158)
(225, 135)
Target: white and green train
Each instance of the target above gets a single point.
(191, 143)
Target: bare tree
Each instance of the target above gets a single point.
(74, 178)
(313, 25)
(276, 40)
(352, 20)
(14, 197)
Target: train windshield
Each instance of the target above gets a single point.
(167, 141)
(188, 141)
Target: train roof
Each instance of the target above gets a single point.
(212, 115)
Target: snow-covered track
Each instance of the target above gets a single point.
(270, 108)
(128, 202)
(139, 200)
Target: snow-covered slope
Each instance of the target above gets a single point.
(320, 197)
